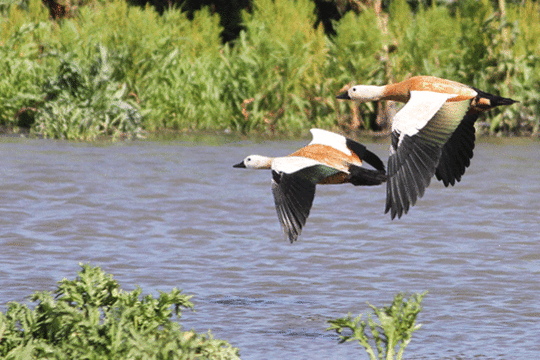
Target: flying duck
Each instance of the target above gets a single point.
(433, 134)
(329, 158)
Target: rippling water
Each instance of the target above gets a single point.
(176, 214)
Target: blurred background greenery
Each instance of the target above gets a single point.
(85, 69)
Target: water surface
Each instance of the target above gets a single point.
(176, 214)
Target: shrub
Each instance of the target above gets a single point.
(22, 67)
(86, 103)
(91, 317)
(357, 55)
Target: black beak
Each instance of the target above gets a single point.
(344, 96)
(240, 165)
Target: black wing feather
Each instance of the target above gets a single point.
(293, 197)
(294, 194)
(415, 157)
(410, 170)
(457, 152)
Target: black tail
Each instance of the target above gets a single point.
(494, 100)
(362, 176)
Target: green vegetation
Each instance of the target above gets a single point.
(111, 69)
(396, 324)
(92, 318)
(87, 103)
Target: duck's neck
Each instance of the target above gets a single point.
(397, 92)
(369, 93)
(261, 162)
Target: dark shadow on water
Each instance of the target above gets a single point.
(247, 301)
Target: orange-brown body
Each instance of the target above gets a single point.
(333, 158)
(401, 91)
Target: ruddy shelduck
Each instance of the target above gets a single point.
(329, 158)
(433, 134)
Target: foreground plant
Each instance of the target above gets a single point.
(396, 324)
(92, 318)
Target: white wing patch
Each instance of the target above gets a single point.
(292, 164)
(418, 111)
(323, 137)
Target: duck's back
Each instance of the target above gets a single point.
(328, 155)
(401, 91)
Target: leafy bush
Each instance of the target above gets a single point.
(92, 318)
(173, 66)
(87, 103)
(396, 324)
(267, 82)
(21, 74)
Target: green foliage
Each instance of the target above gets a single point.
(275, 67)
(356, 56)
(281, 74)
(400, 16)
(171, 63)
(87, 103)
(268, 81)
(426, 45)
(92, 318)
(357, 48)
(185, 95)
(394, 329)
(528, 18)
(21, 76)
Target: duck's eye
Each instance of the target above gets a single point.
(353, 89)
(248, 159)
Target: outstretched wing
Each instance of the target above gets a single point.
(419, 133)
(410, 170)
(294, 194)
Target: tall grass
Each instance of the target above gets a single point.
(280, 76)
(273, 70)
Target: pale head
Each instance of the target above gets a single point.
(363, 93)
(255, 162)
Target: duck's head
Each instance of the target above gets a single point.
(363, 93)
(255, 162)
